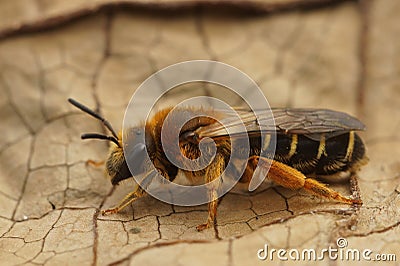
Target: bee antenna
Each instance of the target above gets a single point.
(100, 136)
(94, 114)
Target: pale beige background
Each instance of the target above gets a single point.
(343, 56)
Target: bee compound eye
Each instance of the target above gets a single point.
(136, 156)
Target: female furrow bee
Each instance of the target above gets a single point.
(309, 142)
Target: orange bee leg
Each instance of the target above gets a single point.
(137, 193)
(94, 163)
(289, 177)
(213, 173)
(248, 172)
(128, 199)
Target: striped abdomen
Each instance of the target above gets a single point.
(344, 152)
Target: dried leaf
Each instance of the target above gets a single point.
(342, 57)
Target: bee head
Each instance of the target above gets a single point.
(135, 152)
(116, 166)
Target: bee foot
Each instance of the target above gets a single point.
(356, 202)
(201, 227)
(110, 211)
(94, 163)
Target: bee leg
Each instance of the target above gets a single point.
(213, 173)
(94, 163)
(212, 211)
(131, 197)
(289, 177)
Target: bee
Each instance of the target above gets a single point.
(309, 142)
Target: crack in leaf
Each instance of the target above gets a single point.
(331, 57)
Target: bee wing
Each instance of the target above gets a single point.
(305, 121)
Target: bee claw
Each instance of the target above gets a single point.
(201, 227)
(357, 202)
(94, 163)
(110, 211)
